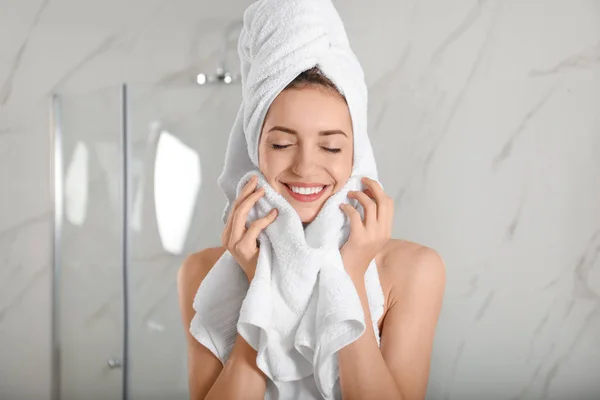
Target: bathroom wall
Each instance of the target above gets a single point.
(484, 120)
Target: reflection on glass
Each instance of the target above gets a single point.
(109, 157)
(76, 186)
(176, 184)
(138, 206)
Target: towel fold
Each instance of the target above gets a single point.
(301, 307)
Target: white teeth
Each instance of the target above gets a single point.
(305, 190)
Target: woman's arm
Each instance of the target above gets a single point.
(208, 378)
(400, 369)
(240, 377)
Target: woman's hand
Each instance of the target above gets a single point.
(242, 243)
(367, 237)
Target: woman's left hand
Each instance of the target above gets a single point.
(367, 237)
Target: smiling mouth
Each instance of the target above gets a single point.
(306, 193)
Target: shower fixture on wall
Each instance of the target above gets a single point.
(222, 75)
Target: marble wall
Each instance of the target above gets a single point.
(485, 120)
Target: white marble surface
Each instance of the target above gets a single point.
(485, 122)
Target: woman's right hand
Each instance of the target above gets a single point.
(240, 241)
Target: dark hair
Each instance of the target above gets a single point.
(314, 77)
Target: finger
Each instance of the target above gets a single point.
(374, 187)
(353, 216)
(246, 190)
(368, 204)
(381, 198)
(238, 224)
(241, 215)
(251, 235)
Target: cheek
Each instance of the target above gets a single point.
(341, 169)
(271, 164)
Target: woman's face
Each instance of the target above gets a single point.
(306, 147)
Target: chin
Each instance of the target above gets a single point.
(307, 218)
(308, 214)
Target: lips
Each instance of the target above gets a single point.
(306, 190)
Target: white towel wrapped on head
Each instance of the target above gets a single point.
(301, 307)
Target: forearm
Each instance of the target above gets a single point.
(240, 377)
(363, 371)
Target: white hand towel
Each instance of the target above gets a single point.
(301, 307)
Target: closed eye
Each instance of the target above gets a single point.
(281, 147)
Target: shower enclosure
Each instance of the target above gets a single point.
(134, 170)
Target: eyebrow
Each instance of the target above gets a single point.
(328, 132)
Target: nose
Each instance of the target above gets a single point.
(304, 162)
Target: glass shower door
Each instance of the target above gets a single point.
(89, 246)
(178, 137)
(136, 192)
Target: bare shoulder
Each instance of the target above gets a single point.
(196, 263)
(408, 266)
(195, 268)
(405, 257)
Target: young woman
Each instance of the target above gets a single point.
(307, 142)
